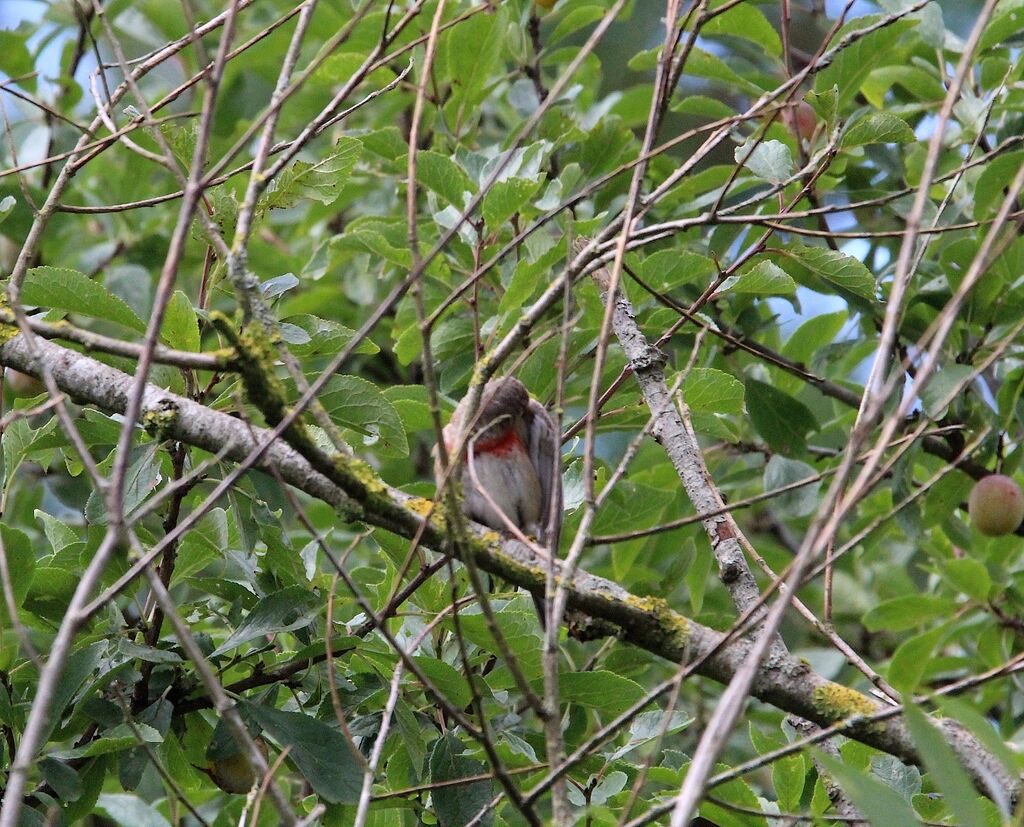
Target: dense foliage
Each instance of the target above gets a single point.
(808, 225)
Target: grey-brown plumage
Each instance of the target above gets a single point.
(516, 459)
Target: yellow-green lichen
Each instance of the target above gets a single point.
(8, 332)
(836, 702)
(420, 505)
(159, 421)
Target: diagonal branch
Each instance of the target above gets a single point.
(784, 682)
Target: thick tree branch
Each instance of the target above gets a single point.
(784, 682)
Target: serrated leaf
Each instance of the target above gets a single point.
(838, 268)
(283, 611)
(605, 691)
(878, 128)
(321, 752)
(770, 160)
(442, 175)
(858, 59)
(322, 181)
(359, 405)
(747, 21)
(143, 475)
(505, 198)
(708, 390)
(181, 325)
(375, 242)
(765, 279)
(119, 739)
(451, 683)
(74, 292)
(783, 421)
(456, 804)
(667, 269)
(309, 335)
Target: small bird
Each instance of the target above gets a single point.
(512, 476)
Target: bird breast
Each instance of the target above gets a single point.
(505, 472)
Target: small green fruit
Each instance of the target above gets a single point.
(996, 505)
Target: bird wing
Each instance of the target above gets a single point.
(545, 449)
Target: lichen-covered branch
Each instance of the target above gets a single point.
(782, 681)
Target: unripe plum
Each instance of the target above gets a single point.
(996, 505)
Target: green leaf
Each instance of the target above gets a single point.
(74, 292)
(878, 128)
(783, 421)
(50, 592)
(528, 276)
(763, 279)
(907, 611)
(442, 175)
(910, 661)
(181, 325)
(799, 502)
(143, 476)
(851, 65)
(605, 691)
(746, 21)
(667, 269)
(7, 205)
(473, 49)
(989, 192)
(16, 59)
(519, 626)
(702, 105)
(79, 667)
(359, 405)
(813, 335)
(118, 739)
(944, 767)
(283, 611)
(842, 270)
(877, 802)
(788, 773)
(129, 811)
(576, 17)
(703, 64)
(1004, 25)
(505, 198)
(770, 160)
(21, 565)
(708, 390)
(448, 680)
(969, 576)
(309, 335)
(981, 728)
(321, 752)
(455, 805)
(322, 181)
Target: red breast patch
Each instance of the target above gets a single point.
(501, 445)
